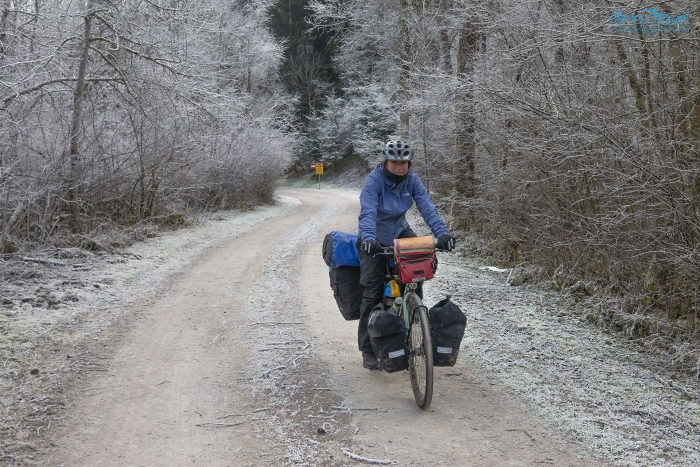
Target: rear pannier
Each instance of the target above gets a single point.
(388, 339)
(415, 259)
(340, 254)
(447, 324)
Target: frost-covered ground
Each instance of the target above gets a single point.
(600, 388)
(54, 312)
(282, 370)
(35, 295)
(597, 387)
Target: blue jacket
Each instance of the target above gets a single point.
(383, 206)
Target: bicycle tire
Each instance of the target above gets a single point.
(420, 352)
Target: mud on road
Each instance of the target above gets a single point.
(223, 346)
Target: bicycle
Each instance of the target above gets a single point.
(415, 314)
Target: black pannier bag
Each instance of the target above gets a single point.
(345, 282)
(340, 254)
(386, 335)
(447, 324)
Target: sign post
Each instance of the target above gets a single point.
(319, 170)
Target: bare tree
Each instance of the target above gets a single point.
(574, 129)
(465, 131)
(116, 112)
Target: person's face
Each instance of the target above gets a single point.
(399, 168)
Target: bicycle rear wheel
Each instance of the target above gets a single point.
(420, 352)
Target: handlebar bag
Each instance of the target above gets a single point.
(388, 339)
(447, 324)
(415, 259)
(418, 269)
(345, 282)
(339, 249)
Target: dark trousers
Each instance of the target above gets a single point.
(372, 279)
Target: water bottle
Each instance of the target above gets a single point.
(397, 304)
(391, 291)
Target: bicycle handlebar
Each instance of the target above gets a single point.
(389, 251)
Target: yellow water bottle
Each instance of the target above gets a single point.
(391, 290)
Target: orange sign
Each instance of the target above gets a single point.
(319, 168)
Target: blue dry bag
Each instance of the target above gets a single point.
(339, 249)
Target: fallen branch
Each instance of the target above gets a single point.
(350, 409)
(49, 261)
(272, 324)
(294, 360)
(367, 460)
(217, 424)
(231, 415)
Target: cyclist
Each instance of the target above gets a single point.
(389, 191)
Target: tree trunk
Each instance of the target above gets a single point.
(688, 137)
(4, 27)
(74, 149)
(444, 38)
(404, 85)
(4, 218)
(463, 166)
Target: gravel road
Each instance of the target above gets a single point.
(221, 345)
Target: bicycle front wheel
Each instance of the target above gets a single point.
(420, 352)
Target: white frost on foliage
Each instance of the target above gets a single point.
(598, 388)
(593, 386)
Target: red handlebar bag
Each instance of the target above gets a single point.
(415, 259)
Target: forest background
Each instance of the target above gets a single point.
(567, 133)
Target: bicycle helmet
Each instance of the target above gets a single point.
(398, 151)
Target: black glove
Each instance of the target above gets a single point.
(446, 242)
(371, 247)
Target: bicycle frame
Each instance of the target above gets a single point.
(408, 289)
(417, 333)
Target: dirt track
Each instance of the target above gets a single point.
(246, 361)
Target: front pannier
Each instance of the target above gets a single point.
(388, 339)
(447, 324)
(345, 282)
